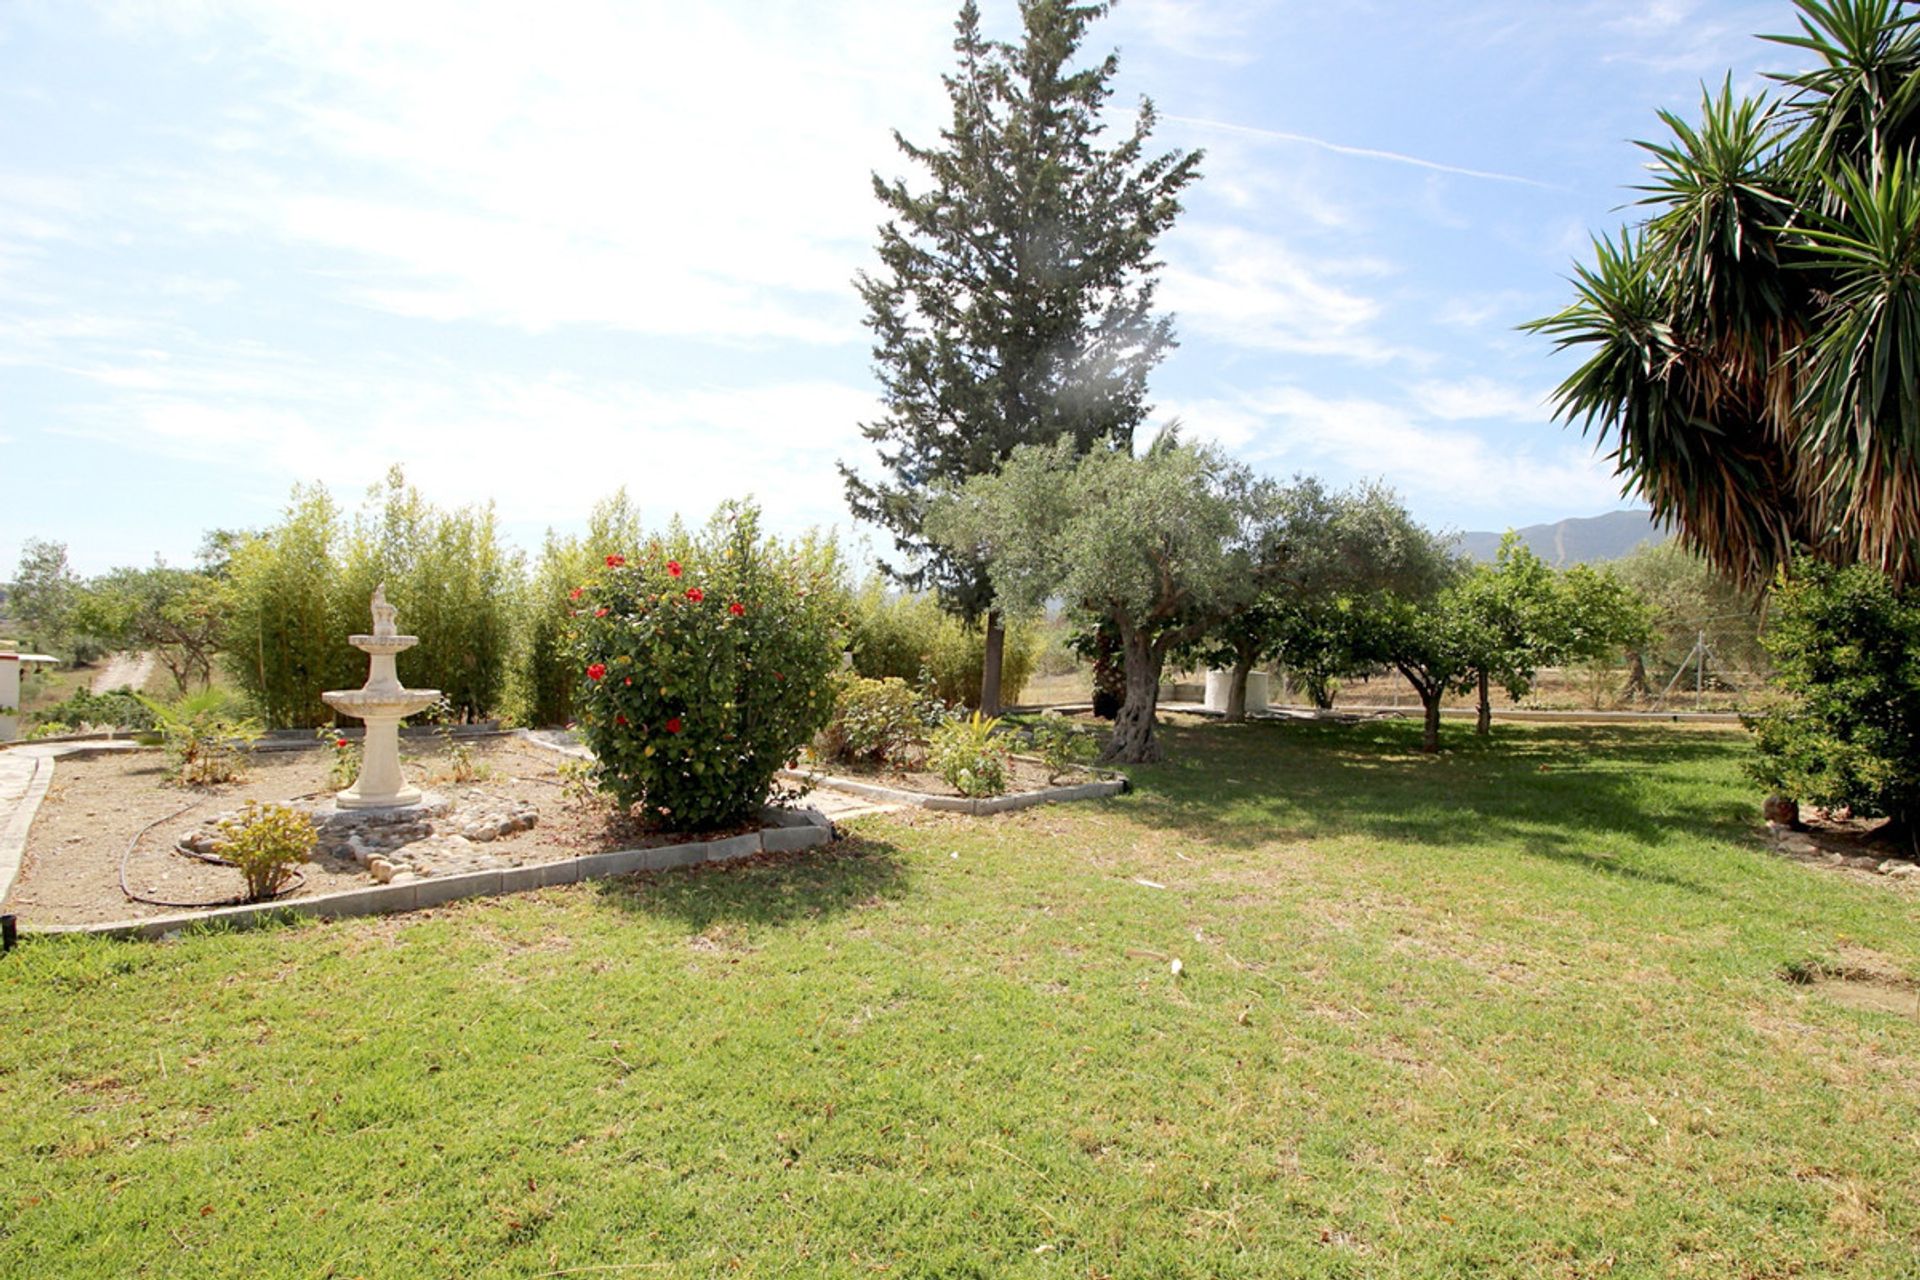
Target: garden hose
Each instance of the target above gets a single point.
(126, 855)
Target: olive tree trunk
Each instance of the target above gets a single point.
(1430, 699)
(1483, 724)
(1237, 689)
(1133, 740)
(990, 663)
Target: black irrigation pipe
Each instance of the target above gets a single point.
(126, 855)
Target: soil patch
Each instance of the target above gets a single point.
(1858, 979)
(1023, 776)
(98, 804)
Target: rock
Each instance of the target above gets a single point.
(1899, 868)
(382, 869)
(1860, 862)
(405, 877)
(1782, 810)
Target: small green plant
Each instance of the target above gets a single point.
(579, 784)
(44, 729)
(204, 735)
(460, 763)
(965, 754)
(874, 721)
(343, 757)
(266, 842)
(1060, 745)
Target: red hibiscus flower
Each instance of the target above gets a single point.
(574, 594)
(696, 595)
(629, 682)
(597, 670)
(339, 742)
(621, 721)
(614, 562)
(673, 568)
(737, 609)
(601, 612)
(673, 725)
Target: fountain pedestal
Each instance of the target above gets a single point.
(382, 703)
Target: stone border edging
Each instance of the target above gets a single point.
(18, 820)
(976, 806)
(792, 831)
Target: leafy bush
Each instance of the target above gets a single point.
(874, 721)
(1846, 652)
(911, 638)
(965, 754)
(266, 842)
(1061, 745)
(287, 637)
(202, 734)
(706, 665)
(121, 709)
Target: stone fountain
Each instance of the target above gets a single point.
(382, 703)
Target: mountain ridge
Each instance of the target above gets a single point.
(1575, 540)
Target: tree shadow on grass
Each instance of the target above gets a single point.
(1570, 793)
(774, 889)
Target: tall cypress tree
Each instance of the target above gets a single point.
(1014, 300)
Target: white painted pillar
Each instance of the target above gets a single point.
(9, 696)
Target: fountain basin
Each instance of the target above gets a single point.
(383, 644)
(372, 704)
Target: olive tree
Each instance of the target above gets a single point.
(1163, 546)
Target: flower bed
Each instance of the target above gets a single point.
(112, 811)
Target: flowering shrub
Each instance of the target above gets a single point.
(706, 663)
(965, 754)
(873, 720)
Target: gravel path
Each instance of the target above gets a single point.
(124, 670)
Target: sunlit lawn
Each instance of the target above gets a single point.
(1514, 1011)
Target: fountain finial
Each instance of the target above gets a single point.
(383, 613)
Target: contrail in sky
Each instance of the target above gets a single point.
(1369, 153)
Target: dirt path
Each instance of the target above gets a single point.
(124, 669)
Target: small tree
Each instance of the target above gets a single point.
(178, 615)
(1014, 300)
(1164, 547)
(1846, 645)
(1417, 625)
(43, 593)
(1325, 546)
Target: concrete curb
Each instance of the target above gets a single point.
(17, 818)
(789, 831)
(960, 804)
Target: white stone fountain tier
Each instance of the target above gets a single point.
(382, 703)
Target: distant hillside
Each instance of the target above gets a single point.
(1580, 541)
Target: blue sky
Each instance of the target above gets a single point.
(535, 252)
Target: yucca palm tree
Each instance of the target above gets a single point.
(1753, 346)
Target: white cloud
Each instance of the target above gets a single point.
(543, 447)
(489, 162)
(1251, 290)
(1480, 399)
(1211, 30)
(1287, 428)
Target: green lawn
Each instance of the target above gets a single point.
(1513, 1011)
